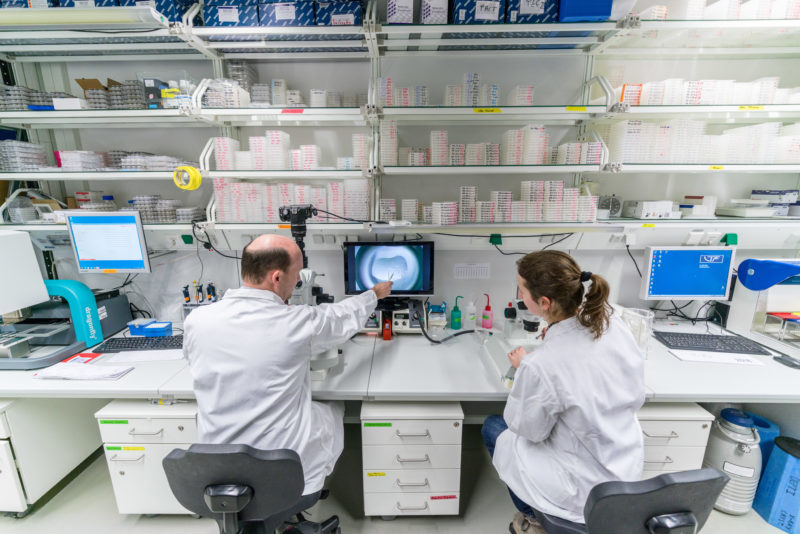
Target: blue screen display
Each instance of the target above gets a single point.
(108, 243)
(408, 265)
(688, 273)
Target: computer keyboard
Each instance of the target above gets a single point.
(123, 344)
(709, 343)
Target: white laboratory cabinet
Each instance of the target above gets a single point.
(35, 453)
(411, 458)
(675, 437)
(137, 435)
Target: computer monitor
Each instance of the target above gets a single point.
(409, 265)
(687, 273)
(108, 242)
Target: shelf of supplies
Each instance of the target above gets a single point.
(442, 115)
(285, 116)
(570, 38)
(721, 113)
(645, 168)
(99, 118)
(651, 39)
(489, 169)
(293, 175)
(51, 227)
(87, 175)
(522, 228)
(715, 222)
(240, 227)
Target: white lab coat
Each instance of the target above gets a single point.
(249, 357)
(571, 418)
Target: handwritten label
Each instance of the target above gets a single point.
(532, 7)
(344, 19)
(376, 474)
(751, 108)
(443, 497)
(487, 10)
(648, 225)
(292, 111)
(228, 14)
(576, 108)
(716, 167)
(285, 12)
(132, 448)
(487, 110)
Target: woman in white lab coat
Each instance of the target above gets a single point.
(570, 420)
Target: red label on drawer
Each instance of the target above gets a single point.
(442, 497)
(292, 111)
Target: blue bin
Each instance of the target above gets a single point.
(584, 10)
(767, 431)
(778, 496)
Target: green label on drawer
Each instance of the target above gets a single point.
(113, 448)
(377, 424)
(113, 421)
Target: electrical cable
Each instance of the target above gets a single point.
(208, 245)
(628, 248)
(202, 266)
(425, 332)
(559, 241)
(348, 218)
(510, 253)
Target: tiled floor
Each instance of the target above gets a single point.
(87, 506)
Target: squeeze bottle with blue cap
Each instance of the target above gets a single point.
(455, 316)
(487, 314)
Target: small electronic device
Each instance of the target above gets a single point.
(611, 203)
(409, 265)
(373, 323)
(687, 273)
(404, 323)
(108, 241)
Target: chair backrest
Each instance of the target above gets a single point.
(626, 507)
(275, 477)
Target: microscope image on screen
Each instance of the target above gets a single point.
(400, 264)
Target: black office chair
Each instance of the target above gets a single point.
(246, 490)
(673, 503)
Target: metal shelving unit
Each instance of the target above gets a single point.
(287, 174)
(489, 170)
(442, 115)
(647, 168)
(120, 176)
(285, 116)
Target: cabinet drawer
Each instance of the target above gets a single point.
(676, 433)
(382, 457)
(145, 430)
(411, 503)
(412, 481)
(138, 478)
(411, 432)
(658, 458)
(12, 498)
(5, 431)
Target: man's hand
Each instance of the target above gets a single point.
(382, 289)
(515, 356)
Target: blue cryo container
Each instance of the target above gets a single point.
(531, 11)
(584, 10)
(767, 431)
(479, 11)
(286, 14)
(347, 13)
(778, 496)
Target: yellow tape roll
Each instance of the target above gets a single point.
(187, 178)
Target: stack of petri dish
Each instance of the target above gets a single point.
(19, 156)
(335, 191)
(97, 98)
(310, 156)
(387, 210)
(361, 148)
(427, 214)
(458, 155)
(535, 145)
(513, 144)
(258, 153)
(187, 215)
(128, 95)
(484, 212)
(243, 72)
(475, 154)
(468, 197)
(357, 195)
(409, 210)
(587, 209)
(278, 144)
(243, 160)
(502, 205)
(440, 149)
(260, 95)
(388, 135)
(444, 213)
(225, 153)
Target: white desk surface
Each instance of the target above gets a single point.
(411, 367)
(348, 381)
(673, 380)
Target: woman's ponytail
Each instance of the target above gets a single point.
(595, 313)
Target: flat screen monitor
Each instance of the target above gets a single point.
(409, 265)
(687, 273)
(108, 242)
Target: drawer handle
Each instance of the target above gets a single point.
(116, 458)
(411, 460)
(412, 508)
(425, 434)
(133, 432)
(412, 484)
(671, 435)
(667, 460)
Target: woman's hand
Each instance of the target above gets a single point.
(515, 356)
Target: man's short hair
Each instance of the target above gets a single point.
(258, 263)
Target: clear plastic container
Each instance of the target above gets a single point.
(21, 210)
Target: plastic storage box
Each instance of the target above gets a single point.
(342, 13)
(286, 14)
(584, 10)
(479, 11)
(777, 499)
(230, 13)
(526, 12)
(88, 3)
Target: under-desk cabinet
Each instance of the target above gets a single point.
(675, 437)
(41, 442)
(137, 435)
(411, 458)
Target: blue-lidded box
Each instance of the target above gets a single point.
(584, 10)
(286, 14)
(479, 11)
(230, 15)
(88, 3)
(531, 11)
(150, 328)
(342, 13)
(777, 499)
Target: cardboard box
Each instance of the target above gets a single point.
(94, 83)
(479, 11)
(286, 14)
(532, 11)
(400, 12)
(69, 103)
(434, 12)
(347, 13)
(230, 15)
(88, 3)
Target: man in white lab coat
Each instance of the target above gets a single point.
(249, 356)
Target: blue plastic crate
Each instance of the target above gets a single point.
(286, 14)
(584, 10)
(348, 13)
(778, 497)
(230, 15)
(532, 11)
(88, 3)
(479, 11)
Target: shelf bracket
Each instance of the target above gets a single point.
(612, 168)
(630, 22)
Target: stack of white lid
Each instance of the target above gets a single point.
(335, 192)
(427, 214)
(468, 196)
(444, 213)
(388, 133)
(243, 160)
(361, 150)
(484, 212)
(410, 210)
(385, 92)
(318, 98)
(387, 210)
(521, 95)
(440, 149)
(225, 153)
(502, 203)
(458, 155)
(357, 195)
(278, 143)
